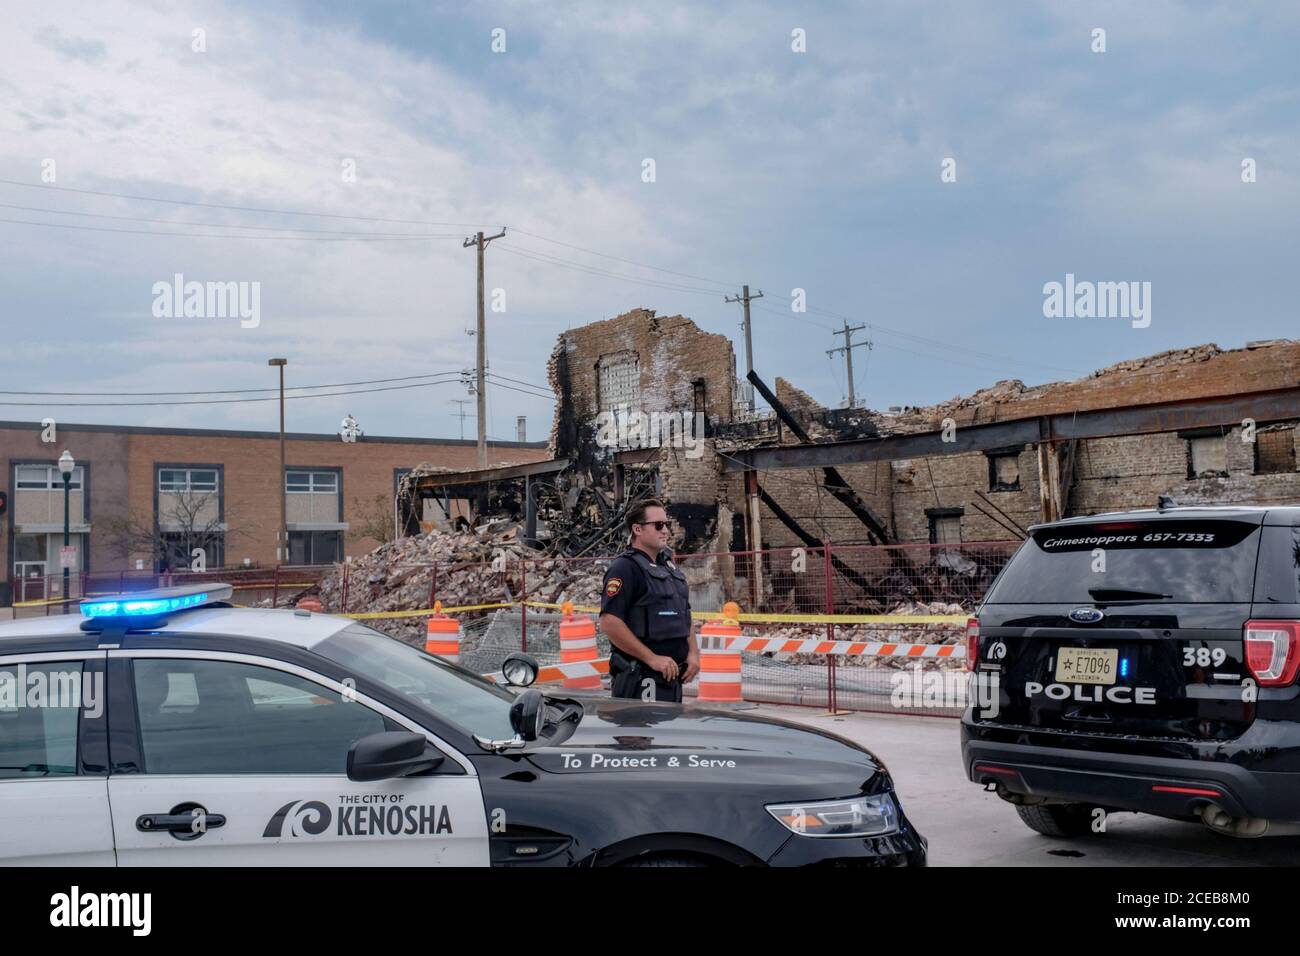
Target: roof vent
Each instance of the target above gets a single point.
(1164, 503)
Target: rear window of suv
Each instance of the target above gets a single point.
(1179, 561)
(1279, 566)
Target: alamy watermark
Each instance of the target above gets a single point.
(41, 688)
(918, 687)
(625, 428)
(179, 299)
(1098, 300)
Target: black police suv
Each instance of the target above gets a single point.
(1145, 662)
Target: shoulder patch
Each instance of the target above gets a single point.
(613, 586)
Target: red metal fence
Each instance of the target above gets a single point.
(841, 588)
(832, 593)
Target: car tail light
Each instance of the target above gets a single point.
(1273, 651)
(972, 643)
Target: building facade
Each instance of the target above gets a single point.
(160, 498)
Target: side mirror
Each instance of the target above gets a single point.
(520, 669)
(395, 753)
(528, 714)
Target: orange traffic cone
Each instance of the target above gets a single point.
(578, 643)
(444, 635)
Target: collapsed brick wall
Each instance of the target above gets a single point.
(672, 352)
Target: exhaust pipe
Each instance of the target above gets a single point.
(1220, 821)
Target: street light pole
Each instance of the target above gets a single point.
(66, 465)
(283, 534)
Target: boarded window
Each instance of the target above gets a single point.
(1275, 452)
(620, 382)
(1209, 456)
(945, 525)
(1004, 472)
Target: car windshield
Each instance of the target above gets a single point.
(1177, 561)
(475, 705)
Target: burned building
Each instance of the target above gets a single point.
(1203, 425)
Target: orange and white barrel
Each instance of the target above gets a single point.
(578, 643)
(720, 665)
(443, 638)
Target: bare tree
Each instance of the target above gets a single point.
(373, 519)
(192, 522)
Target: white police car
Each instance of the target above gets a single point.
(171, 728)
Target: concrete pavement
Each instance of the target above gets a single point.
(968, 827)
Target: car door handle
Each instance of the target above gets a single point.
(179, 823)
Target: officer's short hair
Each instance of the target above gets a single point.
(636, 514)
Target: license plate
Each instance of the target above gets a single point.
(1087, 665)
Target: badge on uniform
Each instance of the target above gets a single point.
(614, 586)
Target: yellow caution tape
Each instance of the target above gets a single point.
(44, 603)
(427, 611)
(270, 585)
(801, 618)
(589, 609)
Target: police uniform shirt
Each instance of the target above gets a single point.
(625, 586)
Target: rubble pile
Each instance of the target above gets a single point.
(485, 565)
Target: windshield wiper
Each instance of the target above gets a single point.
(1125, 594)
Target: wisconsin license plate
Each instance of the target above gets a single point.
(1087, 665)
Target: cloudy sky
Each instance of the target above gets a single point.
(817, 170)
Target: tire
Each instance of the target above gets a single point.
(666, 861)
(1067, 820)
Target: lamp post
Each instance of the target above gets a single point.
(66, 465)
(283, 534)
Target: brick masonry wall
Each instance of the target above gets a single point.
(672, 353)
(122, 479)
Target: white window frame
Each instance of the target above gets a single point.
(314, 484)
(189, 484)
(53, 480)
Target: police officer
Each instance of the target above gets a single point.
(645, 612)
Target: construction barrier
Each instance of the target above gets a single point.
(720, 663)
(578, 645)
(843, 648)
(551, 673)
(443, 635)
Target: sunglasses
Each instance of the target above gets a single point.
(658, 525)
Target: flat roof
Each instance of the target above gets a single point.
(289, 436)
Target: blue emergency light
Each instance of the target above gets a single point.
(154, 604)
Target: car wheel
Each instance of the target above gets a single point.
(1058, 819)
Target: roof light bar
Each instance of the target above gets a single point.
(152, 604)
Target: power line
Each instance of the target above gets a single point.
(631, 262)
(541, 388)
(230, 401)
(237, 391)
(214, 205)
(524, 252)
(549, 398)
(225, 225)
(218, 235)
(539, 256)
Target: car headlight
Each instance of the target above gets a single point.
(856, 817)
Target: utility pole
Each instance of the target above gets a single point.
(460, 413)
(847, 348)
(745, 297)
(480, 389)
(282, 536)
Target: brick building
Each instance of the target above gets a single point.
(146, 496)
